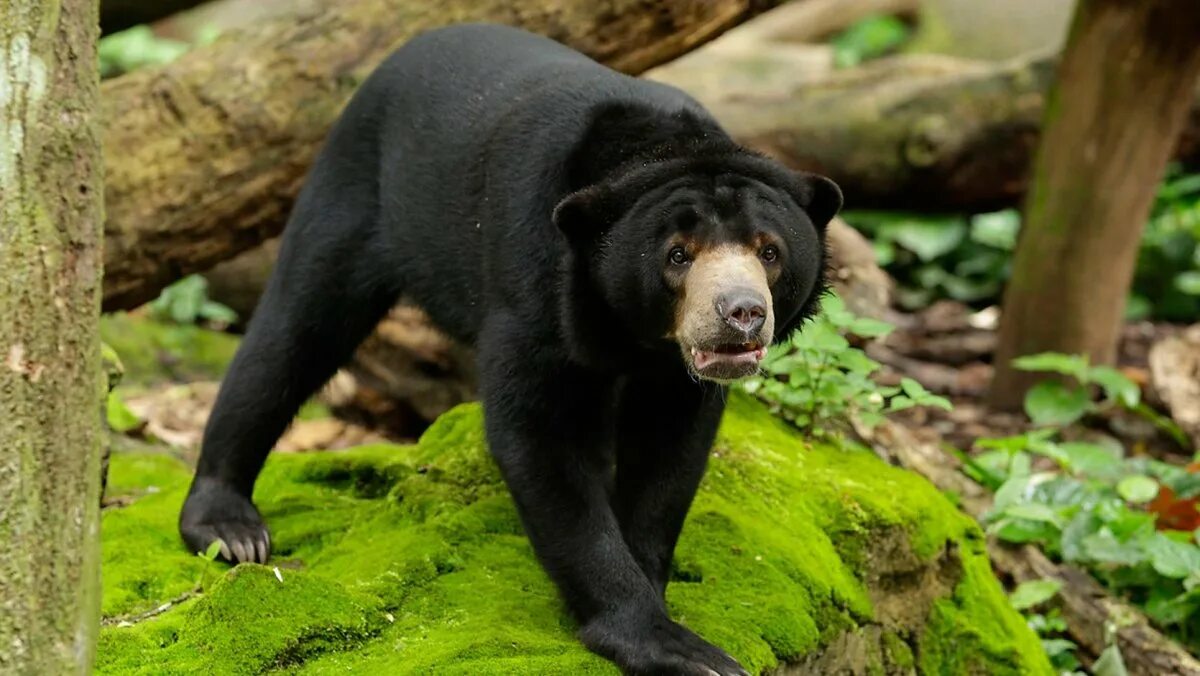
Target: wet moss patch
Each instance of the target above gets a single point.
(411, 559)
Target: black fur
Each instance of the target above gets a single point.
(524, 195)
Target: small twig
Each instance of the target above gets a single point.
(130, 620)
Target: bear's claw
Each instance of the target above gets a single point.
(215, 511)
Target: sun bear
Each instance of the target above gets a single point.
(612, 255)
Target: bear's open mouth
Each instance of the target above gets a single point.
(743, 355)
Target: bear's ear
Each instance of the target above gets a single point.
(582, 214)
(818, 196)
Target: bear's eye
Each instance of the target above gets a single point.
(678, 256)
(770, 253)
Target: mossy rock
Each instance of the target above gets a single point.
(410, 559)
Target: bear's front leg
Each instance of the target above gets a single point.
(666, 426)
(549, 426)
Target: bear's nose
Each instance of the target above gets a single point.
(742, 309)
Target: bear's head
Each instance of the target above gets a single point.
(718, 252)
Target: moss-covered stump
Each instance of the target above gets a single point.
(410, 559)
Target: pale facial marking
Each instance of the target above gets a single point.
(700, 330)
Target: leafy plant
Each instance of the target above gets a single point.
(1052, 402)
(1167, 282)
(869, 38)
(818, 381)
(186, 302)
(935, 257)
(967, 257)
(1031, 598)
(135, 48)
(209, 555)
(1088, 507)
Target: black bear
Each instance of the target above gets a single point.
(612, 255)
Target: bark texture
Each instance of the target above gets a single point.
(209, 152)
(1121, 100)
(50, 379)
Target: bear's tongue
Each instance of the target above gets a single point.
(746, 353)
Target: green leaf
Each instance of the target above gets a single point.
(1188, 282)
(1137, 308)
(997, 229)
(216, 312)
(213, 550)
(1171, 609)
(1091, 460)
(1116, 386)
(1082, 525)
(1130, 524)
(868, 38)
(1110, 663)
(1054, 362)
(1024, 530)
(1052, 403)
(930, 239)
(1104, 548)
(885, 252)
(1033, 593)
(870, 328)
(1137, 488)
(1172, 559)
(1010, 493)
(1020, 464)
(856, 361)
(1035, 512)
(823, 337)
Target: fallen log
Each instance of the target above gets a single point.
(205, 155)
(921, 132)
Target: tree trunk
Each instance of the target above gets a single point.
(209, 152)
(1122, 97)
(50, 378)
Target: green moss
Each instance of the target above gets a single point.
(1001, 643)
(897, 654)
(154, 352)
(402, 560)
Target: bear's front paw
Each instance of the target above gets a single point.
(656, 645)
(214, 510)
